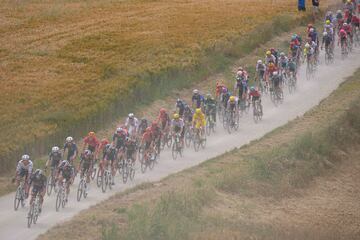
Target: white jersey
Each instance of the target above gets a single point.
(179, 123)
(132, 125)
(22, 166)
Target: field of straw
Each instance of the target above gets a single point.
(65, 61)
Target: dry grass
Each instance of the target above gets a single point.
(64, 62)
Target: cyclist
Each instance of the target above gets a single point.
(178, 126)
(254, 96)
(232, 104)
(119, 139)
(260, 70)
(164, 120)
(156, 135)
(91, 143)
(72, 149)
(308, 52)
(66, 172)
(241, 84)
(313, 38)
(348, 30)
(54, 158)
(180, 104)
(219, 90)
(85, 166)
(292, 68)
(132, 124)
(225, 97)
(327, 40)
(199, 121)
(38, 183)
(277, 81)
(349, 6)
(130, 149)
(24, 170)
(283, 63)
(210, 107)
(110, 155)
(188, 113)
(142, 126)
(197, 99)
(102, 148)
(269, 58)
(147, 140)
(342, 38)
(275, 54)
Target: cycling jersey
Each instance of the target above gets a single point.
(55, 158)
(199, 120)
(24, 170)
(197, 99)
(72, 150)
(132, 125)
(110, 154)
(92, 143)
(119, 139)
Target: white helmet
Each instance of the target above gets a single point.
(25, 157)
(325, 34)
(195, 91)
(345, 24)
(239, 73)
(307, 45)
(311, 29)
(69, 139)
(119, 129)
(275, 73)
(55, 149)
(282, 54)
(338, 11)
(131, 115)
(259, 62)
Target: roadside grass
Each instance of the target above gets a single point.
(91, 71)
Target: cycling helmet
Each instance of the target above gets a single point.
(293, 37)
(144, 120)
(91, 134)
(252, 88)
(325, 34)
(107, 146)
(162, 110)
(69, 139)
(239, 73)
(232, 99)
(348, 1)
(119, 130)
(327, 22)
(176, 116)
(311, 30)
(307, 45)
(224, 90)
(259, 62)
(55, 149)
(178, 100)
(345, 24)
(275, 73)
(25, 157)
(198, 111)
(240, 69)
(282, 54)
(268, 53)
(131, 115)
(65, 163)
(338, 11)
(195, 91)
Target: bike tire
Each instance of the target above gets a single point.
(17, 199)
(93, 173)
(103, 183)
(58, 200)
(80, 190)
(99, 178)
(188, 139)
(110, 181)
(132, 172)
(49, 186)
(125, 174)
(30, 216)
(174, 151)
(152, 162)
(85, 193)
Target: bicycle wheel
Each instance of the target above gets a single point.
(125, 172)
(35, 213)
(188, 138)
(174, 151)
(58, 200)
(132, 171)
(17, 198)
(203, 143)
(169, 141)
(93, 173)
(110, 180)
(308, 72)
(80, 190)
(85, 190)
(30, 216)
(99, 178)
(196, 143)
(237, 122)
(152, 161)
(49, 185)
(104, 182)
(143, 164)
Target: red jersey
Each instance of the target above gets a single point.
(355, 20)
(163, 117)
(347, 28)
(219, 88)
(147, 137)
(255, 93)
(91, 141)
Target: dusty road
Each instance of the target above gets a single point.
(309, 94)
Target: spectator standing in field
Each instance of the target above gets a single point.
(301, 5)
(315, 4)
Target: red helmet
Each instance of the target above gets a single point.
(162, 110)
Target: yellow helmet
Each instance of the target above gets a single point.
(176, 116)
(232, 99)
(198, 111)
(268, 53)
(327, 22)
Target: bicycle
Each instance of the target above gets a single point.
(292, 82)
(257, 112)
(82, 187)
(329, 55)
(20, 195)
(34, 211)
(177, 147)
(148, 158)
(61, 197)
(51, 182)
(106, 179)
(210, 124)
(231, 121)
(188, 136)
(166, 140)
(310, 67)
(199, 140)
